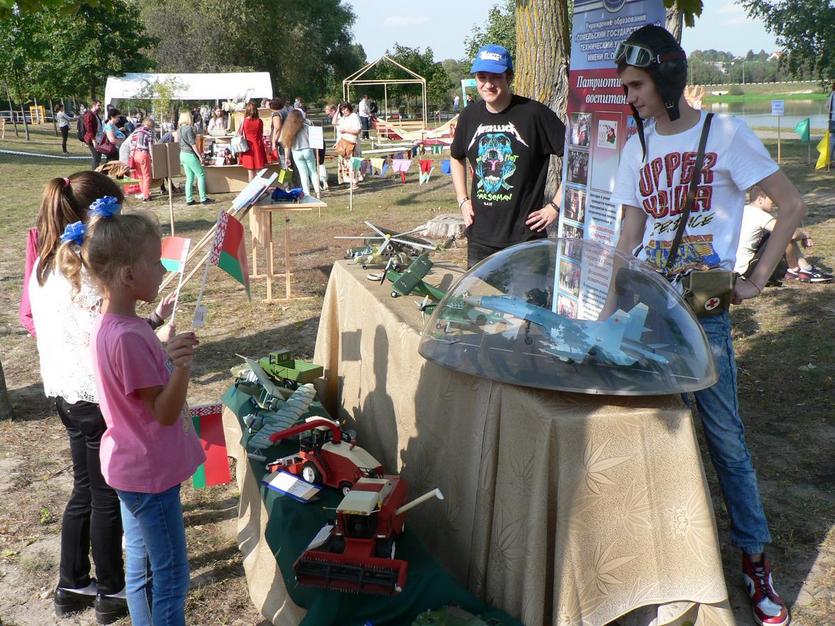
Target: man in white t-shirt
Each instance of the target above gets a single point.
(757, 224)
(364, 112)
(651, 188)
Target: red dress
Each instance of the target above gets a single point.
(255, 158)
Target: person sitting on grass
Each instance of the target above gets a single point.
(757, 224)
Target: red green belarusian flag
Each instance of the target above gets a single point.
(208, 423)
(229, 250)
(175, 253)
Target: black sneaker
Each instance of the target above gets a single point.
(207, 201)
(111, 608)
(191, 202)
(67, 601)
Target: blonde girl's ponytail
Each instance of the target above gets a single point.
(68, 257)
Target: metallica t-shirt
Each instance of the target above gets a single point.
(735, 159)
(509, 153)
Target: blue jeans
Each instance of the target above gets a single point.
(156, 567)
(719, 410)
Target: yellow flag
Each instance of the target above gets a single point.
(823, 150)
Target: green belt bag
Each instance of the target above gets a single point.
(708, 292)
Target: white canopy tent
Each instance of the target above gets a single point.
(240, 86)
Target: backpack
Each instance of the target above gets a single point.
(79, 128)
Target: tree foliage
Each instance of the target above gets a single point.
(500, 28)
(805, 29)
(306, 46)
(71, 50)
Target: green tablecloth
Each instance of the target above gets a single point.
(292, 525)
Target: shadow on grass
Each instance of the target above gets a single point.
(30, 404)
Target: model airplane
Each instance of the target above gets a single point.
(616, 341)
(410, 281)
(262, 424)
(385, 244)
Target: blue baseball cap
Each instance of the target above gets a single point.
(492, 58)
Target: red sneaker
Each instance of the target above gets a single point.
(768, 607)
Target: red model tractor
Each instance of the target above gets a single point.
(357, 554)
(323, 457)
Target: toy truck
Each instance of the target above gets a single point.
(357, 553)
(281, 366)
(324, 457)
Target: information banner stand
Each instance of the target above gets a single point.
(599, 123)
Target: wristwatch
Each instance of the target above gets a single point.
(553, 206)
(461, 203)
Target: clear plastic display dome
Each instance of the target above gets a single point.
(570, 315)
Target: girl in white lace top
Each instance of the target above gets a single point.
(65, 305)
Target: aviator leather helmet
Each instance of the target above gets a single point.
(655, 50)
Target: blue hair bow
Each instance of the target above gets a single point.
(74, 233)
(105, 207)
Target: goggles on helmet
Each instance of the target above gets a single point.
(638, 55)
(635, 54)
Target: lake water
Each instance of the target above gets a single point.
(758, 114)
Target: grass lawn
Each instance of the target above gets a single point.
(784, 344)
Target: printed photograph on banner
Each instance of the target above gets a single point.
(580, 129)
(605, 155)
(578, 167)
(566, 306)
(570, 277)
(572, 248)
(575, 205)
(570, 232)
(607, 134)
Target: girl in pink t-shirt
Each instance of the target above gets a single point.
(150, 445)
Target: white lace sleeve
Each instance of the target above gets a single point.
(64, 321)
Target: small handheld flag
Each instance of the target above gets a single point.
(174, 257)
(174, 253)
(229, 250)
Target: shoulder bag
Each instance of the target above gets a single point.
(707, 292)
(239, 144)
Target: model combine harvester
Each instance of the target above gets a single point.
(357, 553)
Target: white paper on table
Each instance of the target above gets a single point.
(292, 485)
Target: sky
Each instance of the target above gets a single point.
(444, 24)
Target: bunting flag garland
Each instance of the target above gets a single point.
(427, 166)
(229, 250)
(377, 164)
(174, 253)
(445, 167)
(208, 424)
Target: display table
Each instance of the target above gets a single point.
(273, 530)
(261, 230)
(560, 508)
(230, 178)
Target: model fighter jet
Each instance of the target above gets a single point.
(386, 244)
(616, 341)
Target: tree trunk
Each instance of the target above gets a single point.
(675, 22)
(543, 46)
(25, 124)
(5, 403)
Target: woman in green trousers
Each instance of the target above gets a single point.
(190, 160)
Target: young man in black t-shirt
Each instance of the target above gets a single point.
(508, 141)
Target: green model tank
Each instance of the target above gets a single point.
(450, 616)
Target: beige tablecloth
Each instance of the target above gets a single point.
(560, 508)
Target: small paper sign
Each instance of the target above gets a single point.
(199, 320)
(316, 137)
(778, 108)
